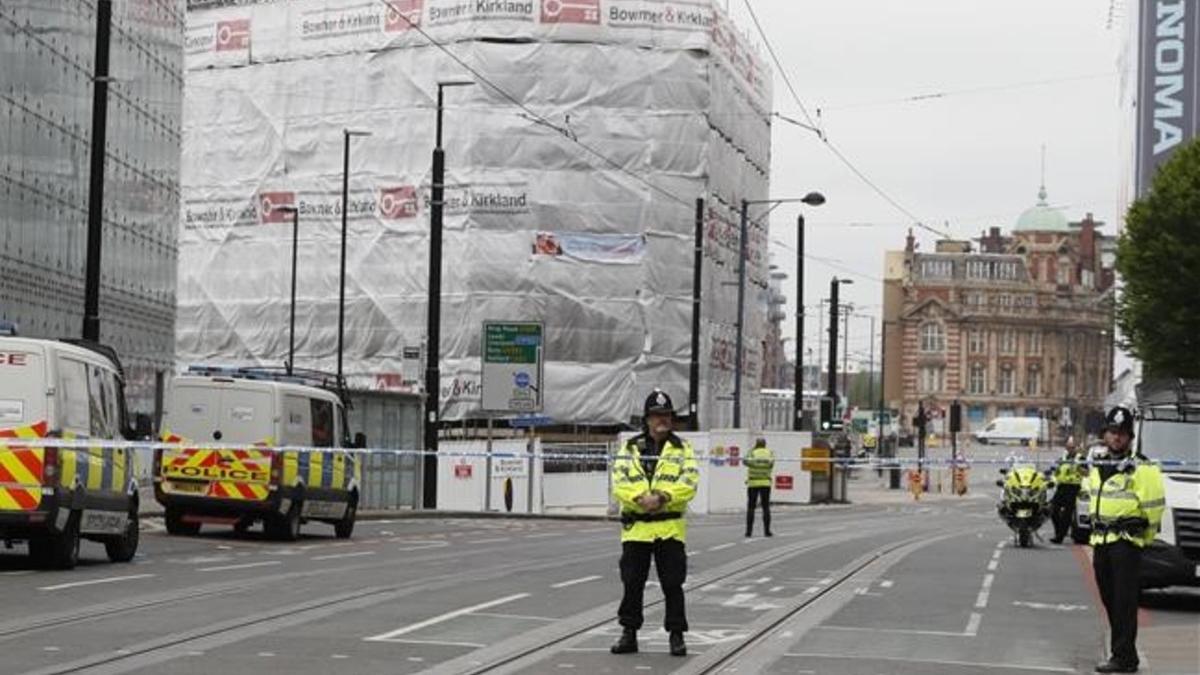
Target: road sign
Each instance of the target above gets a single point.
(512, 366)
(784, 481)
(509, 467)
(531, 421)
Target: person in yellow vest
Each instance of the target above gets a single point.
(1127, 498)
(759, 465)
(654, 476)
(1068, 474)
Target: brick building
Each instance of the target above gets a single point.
(1011, 324)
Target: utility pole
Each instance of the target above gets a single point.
(95, 221)
(346, 134)
(798, 378)
(694, 370)
(831, 389)
(741, 310)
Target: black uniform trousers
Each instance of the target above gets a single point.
(1118, 569)
(762, 495)
(670, 559)
(1062, 508)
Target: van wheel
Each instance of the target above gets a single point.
(345, 527)
(176, 526)
(287, 526)
(123, 549)
(58, 551)
(1023, 539)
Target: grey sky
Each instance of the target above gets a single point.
(972, 159)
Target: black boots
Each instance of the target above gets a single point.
(627, 644)
(1112, 666)
(678, 648)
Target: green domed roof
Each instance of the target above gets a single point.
(1042, 217)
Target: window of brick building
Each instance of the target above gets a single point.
(977, 383)
(933, 338)
(1006, 384)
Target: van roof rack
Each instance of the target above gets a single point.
(304, 376)
(1176, 399)
(101, 349)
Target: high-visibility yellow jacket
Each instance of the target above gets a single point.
(675, 476)
(1068, 471)
(1129, 505)
(759, 465)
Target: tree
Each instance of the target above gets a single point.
(1158, 257)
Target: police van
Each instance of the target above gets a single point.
(52, 497)
(256, 445)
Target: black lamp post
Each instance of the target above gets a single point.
(346, 135)
(812, 199)
(291, 360)
(433, 328)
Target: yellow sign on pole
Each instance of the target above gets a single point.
(814, 460)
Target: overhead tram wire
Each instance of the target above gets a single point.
(815, 128)
(536, 117)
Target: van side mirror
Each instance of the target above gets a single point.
(360, 440)
(999, 483)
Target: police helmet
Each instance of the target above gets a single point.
(658, 402)
(1119, 418)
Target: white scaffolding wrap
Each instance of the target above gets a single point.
(536, 228)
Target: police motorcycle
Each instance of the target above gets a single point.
(1024, 505)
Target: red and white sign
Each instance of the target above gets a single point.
(269, 203)
(13, 359)
(398, 11)
(735, 454)
(462, 471)
(784, 481)
(233, 35)
(571, 11)
(398, 202)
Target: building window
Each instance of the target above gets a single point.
(1064, 271)
(1033, 381)
(976, 342)
(930, 379)
(932, 338)
(1035, 343)
(978, 380)
(932, 268)
(1006, 385)
(977, 269)
(1069, 380)
(1004, 300)
(1008, 341)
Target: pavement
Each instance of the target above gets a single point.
(883, 585)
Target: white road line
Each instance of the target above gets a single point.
(973, 624)
(988, 579)
(996, 555)
(762, 580)
(722, 547)
(738, 599)
(812, 589)
(992, 565)
(16, 573)
(385, 637)
(901, 631)
(335, 556)
(886, 583)
(580, 580)
(775, 589)
(426, 545)
(694, 553)
(518, 617)
(940, 662)
(92, 582)
(982, 599)
(435, 643)
(497, 540)
(222, 568)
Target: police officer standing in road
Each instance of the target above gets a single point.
(1068, 474)
(1126, 506)
(759, 465)
(654, 476)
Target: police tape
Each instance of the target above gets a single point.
(714, 459)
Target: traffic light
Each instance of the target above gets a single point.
(826, 413)
(955, 417)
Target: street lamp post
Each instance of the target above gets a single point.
(346, 135)
(291, 360)
(812, 199)
(433, 328)
(834, 306)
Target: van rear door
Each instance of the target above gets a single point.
(22, 415)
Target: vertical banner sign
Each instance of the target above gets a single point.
(1168, 68)
(512, 366)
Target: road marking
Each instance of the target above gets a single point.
(16, 573)
(51, 649)
(996, 554)
(385, 637)
(339, 656)
(435, 643)
(762, 580)
(992, 565)
(940, 662)
(1043, 605)
(566, 665)
(497, 540)
(518, 617)
(987, 580)
(92, 582)
(775, 589)
(886, 583)
(741, 589)
(981, 600)
(580, 580)
(722, 547)
(693, 553)
(222, 568)
(423, 546)
(812, 589)
(335, 556)
(902, 631)
(973, 624)
(543, 534)
(416, 659)
(738, 598)
(268, 654)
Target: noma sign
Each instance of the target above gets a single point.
(1167, 82)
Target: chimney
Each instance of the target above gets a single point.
(910, 242)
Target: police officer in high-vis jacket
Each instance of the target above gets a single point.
(1126, 503)
(1068, 474)
(654, 476)
(759, 465)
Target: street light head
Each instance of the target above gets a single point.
(455, 83)
(845, 281)
(814, 199)
(353, 132)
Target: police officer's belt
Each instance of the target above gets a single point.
(1131, 526)
(630, 518)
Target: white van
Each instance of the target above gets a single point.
(51, 497)
(250, 412)
(1023, 430)
(1169, 434)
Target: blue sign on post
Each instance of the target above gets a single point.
(521, 379)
